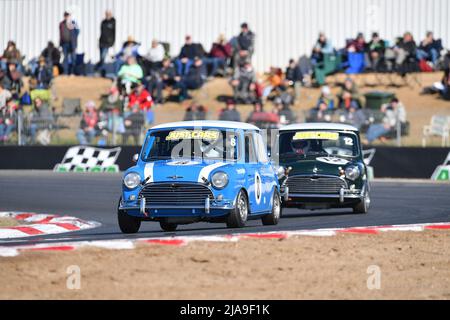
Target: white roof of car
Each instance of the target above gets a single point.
(207, 123)
(319, 126)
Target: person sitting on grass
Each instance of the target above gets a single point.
(42, 76)
(243, 83)
(194, 79)
(162, 78)
(195, 111)
(221, 50)
(41, 118)
(326, 97)
(133, 124)
(87, 131)
(229, 113)
(8, 117)
(130, 74)
(142, 98)
(394, 112)
(349, 94)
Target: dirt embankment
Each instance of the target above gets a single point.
(402, 265)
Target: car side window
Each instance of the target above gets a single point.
(261, 149)
(250, 153)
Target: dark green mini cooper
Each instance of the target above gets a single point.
(324, 167)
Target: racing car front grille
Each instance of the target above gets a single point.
(315, 185)
(179, 194)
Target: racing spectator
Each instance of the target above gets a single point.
(13, 79)
(5, 95)
(155, 55)
(244, 46)
(88, 124)
(326, 97)
(219, 54)
(284, 111)
(321, 47)
(42, 76)
(188, 52)
(130, 48)
(8, 117)
(133, 124)
(273, 81)
(10, 54)
(405, 54)
(130, 74)
(257, 109)
(140, 97)
(243, 83)
(354, 116)
(229, 113)
(41, 118)
(357, 45)
(195, 111)
(429, 49)
(68, 38)
(375, 52)
(394, 112)
(52, 56)
(292, 73)
(162, 78)
(107, 36)
(293, 77)
(349, 95)
(194, 79)
(320, 114)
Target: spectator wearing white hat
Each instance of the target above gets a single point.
(326, 97)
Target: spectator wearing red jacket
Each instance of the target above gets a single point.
(141, 97)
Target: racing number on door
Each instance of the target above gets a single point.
(258, 187)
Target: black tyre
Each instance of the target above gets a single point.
(363, 206)
(167, 226)
(273, 217)
(127, 223)
(238, 216)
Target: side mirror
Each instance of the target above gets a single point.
(135, 157)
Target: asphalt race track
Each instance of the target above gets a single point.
(95, 196)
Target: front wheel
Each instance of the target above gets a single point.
(127, 223)
(273, 217)
(167, 226)
(363, 206)
(238, 216)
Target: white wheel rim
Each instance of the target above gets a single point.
(276, 207)
(242, 207)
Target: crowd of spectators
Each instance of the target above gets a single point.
(143, 79)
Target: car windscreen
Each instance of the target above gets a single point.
(206, 144)
(318, 143)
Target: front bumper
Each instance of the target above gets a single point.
(344, 197)
(211, 208)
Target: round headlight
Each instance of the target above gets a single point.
(281, 171)
(219, 180)
(132, 180)
(352, 172)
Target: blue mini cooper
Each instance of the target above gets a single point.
(189, 171)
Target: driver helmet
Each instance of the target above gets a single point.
(300, 146)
